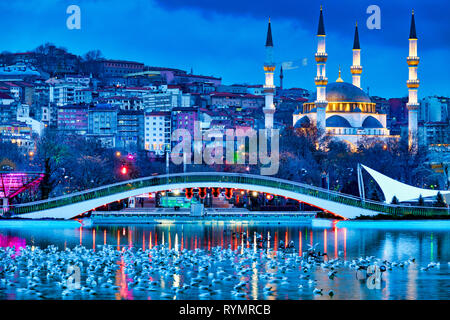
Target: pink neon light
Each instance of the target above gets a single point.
(13, 183)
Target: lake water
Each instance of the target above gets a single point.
(423, 241)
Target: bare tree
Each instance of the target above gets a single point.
(93, 55)
(50, 158)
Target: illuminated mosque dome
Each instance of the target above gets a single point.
(344, 97)
(345, 92)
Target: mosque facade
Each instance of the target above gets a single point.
(341, 109)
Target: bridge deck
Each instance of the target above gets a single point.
(168, 182)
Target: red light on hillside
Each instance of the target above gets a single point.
(124, 170)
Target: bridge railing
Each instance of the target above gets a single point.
(234, 178)
(348, 199)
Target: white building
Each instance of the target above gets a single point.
(23, 110)
(257, 90)
(83, 96)
(6, 99)
(19, 70)
(23, 115)
(161, 101)
(125, 102)
(62, 92)
(46, 115)
(434, 109)
(36, 126)
(77, 79)
(157, 131)
(166, 100)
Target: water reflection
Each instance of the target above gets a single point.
(389, 245)
(347, 244)
(12, 242)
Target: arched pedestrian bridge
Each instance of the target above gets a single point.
(69, 206)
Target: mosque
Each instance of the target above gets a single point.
(343, 110)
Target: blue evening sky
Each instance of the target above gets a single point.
(226, 38)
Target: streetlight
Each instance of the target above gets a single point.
(303, 173)
(167, 172)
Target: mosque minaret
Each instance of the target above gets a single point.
(356, 68)
(321, 80)
(281, 77)
(269, 87)
(413, 85)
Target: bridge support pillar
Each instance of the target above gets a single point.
(131, 202)
(5, 206)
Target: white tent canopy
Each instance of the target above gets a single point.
(402, 191)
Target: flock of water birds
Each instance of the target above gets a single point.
(251, 272)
